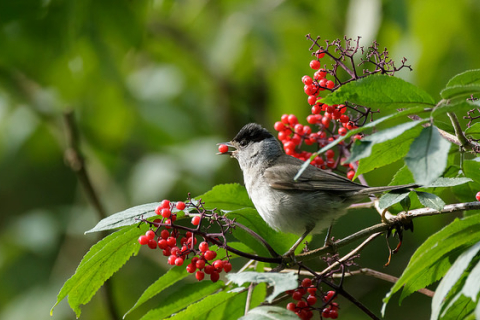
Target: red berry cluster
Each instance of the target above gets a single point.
(330, 122)
(477, 196)
(304, 306)
(178, 247)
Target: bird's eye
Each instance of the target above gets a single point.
(243, 143)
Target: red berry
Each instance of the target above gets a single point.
(227, 266)
(181, 205)
(320, 54)
(344, 118)
(311, 300)
(203, 246)
(279, 126)
(312, 291)
(301, 304)
(284, 118)
(158, 210)
(200, 264)
(166, 252)
(326, 121)
(143, 240)
(307, 282)
(315, 64)
(168, 223)
(218, 264)
(214, 276)
(329, 296)
(210, 255)
(196, 220)
(199, 275)
(477, 196)
(342, 131)
(323, 83)
(171, 241)
(330, 154)
(291, 306)
(307, 80)
(312, 100)
(333, 314)
(152, 244)
(326, 313)
(150, 234)
(179, 261)
(297, 295)
(171, 260)
(191, 268)
(351, 174)
(166, 213)
(222, 149)
(174, 251)
(162, 244)
(164, 234)
(165, 204)
(310, 90)
(330, 84)
(209, 269)
(330, 109)
(312, 119)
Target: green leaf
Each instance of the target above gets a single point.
(457, 106)
(199, 309)
(447, 182)
(280, 281)
(427, 158)
(473, 131)
(250, 218)
(380, 91)
(463, 91)
(451, 278)
(465, 78)
(389, 199)
(363, 149)
(99, 264)
(430, 200)
(432, 259)
(227, 197)
(472, 169)
(269, 312)
(172, 276)
(472, 287)
(189, 294)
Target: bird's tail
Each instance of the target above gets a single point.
(374, 190)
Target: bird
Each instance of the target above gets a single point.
(308, 204)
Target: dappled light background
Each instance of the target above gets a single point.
(153, 86)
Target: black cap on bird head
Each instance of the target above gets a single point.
(251, 132)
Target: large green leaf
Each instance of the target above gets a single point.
(227, 197)
(439, 301)
(98, 265)
(433, 258)
(427, 157)
(430, 200)
(460, 107)
(269, 312)
(465, 78)
(380, 91)
(462, 85)
(387, 142)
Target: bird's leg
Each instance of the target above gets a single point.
(291, 252)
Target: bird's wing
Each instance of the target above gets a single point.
(281, 176)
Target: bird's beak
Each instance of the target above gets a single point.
(229, 145)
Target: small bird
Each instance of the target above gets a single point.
(309, 204)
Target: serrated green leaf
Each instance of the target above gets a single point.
(427, 157)
(380, 91)
(280, 281)
(451, 278)
(465, 78)
(199, 309)
(431, 260)
(430, 200)
(389, 199)
(389, 151)
(189, 294)
(269, 312)
(447, 182)
(99, 264)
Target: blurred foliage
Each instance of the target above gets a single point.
(154, 86)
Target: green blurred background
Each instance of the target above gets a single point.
(154, 85)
